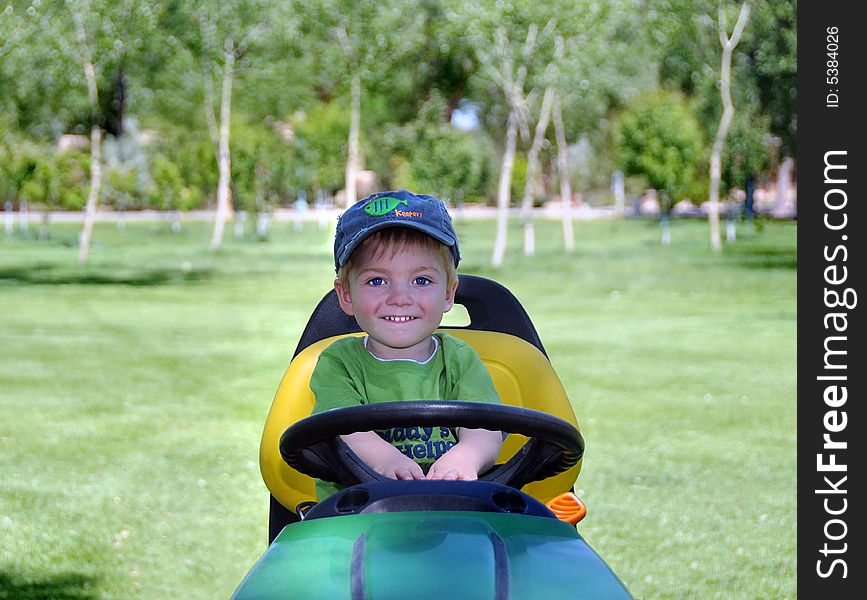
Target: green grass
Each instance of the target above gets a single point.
(133, 392)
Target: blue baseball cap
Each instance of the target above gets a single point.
(393, 209)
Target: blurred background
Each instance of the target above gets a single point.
(257, 106)
(170, 176)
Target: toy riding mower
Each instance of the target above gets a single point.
(509, 535)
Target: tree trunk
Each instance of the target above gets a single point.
(713, 203)
(618, 187)
(10, 217)
(23, 218)
(565, 184)
(532, 172)
(95, 140)
(224, 202)
(504, 191)
(46, 220)
(92, 194)
(784, 182)
(210, 119)
(728, 46)
(354, 131)
(208, 88)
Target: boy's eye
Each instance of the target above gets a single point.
(421, 281)
(376, 281)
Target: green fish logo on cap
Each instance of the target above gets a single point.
(382, 206)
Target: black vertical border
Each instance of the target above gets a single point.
(822, 129)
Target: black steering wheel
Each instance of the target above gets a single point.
(313, 445)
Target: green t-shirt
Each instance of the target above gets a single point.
(347, 374)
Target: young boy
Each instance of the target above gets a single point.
(396, 255)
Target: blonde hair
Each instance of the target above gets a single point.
(394, 239)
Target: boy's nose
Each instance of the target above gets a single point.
(400, 296)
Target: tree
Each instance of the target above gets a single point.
(533, 170)
(506, 45)
(88, 42)
(658, 137)
(228, 31)
(431, 155)
(40, 78)
(85, 56)
(686, 42)
(357, 40)
(599, 69)
(728, 46)
(565, 184)
(746, 153)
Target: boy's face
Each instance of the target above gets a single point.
(398, 299)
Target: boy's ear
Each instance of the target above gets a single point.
(450, 296)
(343, 298)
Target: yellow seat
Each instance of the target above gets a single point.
(521, 373)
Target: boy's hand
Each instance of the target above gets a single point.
(458, 463)
(401, 468)
(475, 453)
(382, 457)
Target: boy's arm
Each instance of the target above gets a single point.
(382, 457)
(476, 452)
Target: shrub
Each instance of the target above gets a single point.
(261, 168)
(321, 145)
(658, 136)
(431, 156)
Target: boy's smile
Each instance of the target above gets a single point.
(398, 296)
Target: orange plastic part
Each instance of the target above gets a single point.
(568, 507)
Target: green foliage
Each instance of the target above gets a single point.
(438, 61)
(74, 172)
(431, 155)
(606, 62)
(764, 66)
(519, 177)
(7, 191)
(46, 76)
(167, 192)
(321, 145)
(191, 154)
(659, 137)
(42, 177)
(41, 81)
(747, 152)
(295, 61)
(363, 37)
(261, 168)
(771, 44)
(123, 188)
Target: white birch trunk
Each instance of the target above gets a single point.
(92, 194)
(23, 218)
(10, 218)
(210, 119)
(95, 142)
(208, 88)
(224, 202)
(504, 191)
(354, 132)
(565, 184)
(618, 187)
(728, 46)
(533, 171)
(784, 183)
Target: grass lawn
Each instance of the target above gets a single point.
(133, 392)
